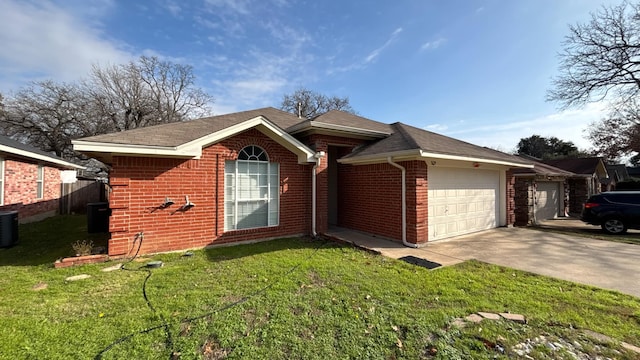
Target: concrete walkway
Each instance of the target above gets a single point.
(600, 263)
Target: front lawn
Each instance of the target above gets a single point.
(292, 299)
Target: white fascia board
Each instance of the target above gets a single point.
(128, 149)
(422, 155)
(193, 149)
(377, 158)
(339, 128)
(39, 157)
(425, 154)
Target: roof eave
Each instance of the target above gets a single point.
(417, 154)
(310, 126)
(39, 157)
(193, 149)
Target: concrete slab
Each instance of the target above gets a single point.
(600, 263)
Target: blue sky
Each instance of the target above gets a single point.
(476, 70)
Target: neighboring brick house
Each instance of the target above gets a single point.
(589, 175)
(617, 174)
(265, 173)
(542, 193)
(31, 180)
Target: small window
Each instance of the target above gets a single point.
(40, 182)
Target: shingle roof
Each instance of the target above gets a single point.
(618, 172)
(393, 137)
(175, 134)
(583, 166)
(540, 168)
(29, 151)
(336, 117)
(406, 137)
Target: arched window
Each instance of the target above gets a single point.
(251, 196)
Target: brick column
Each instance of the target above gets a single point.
(417, 202)
(511, 214)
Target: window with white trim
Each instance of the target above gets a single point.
(40, 182)
(1, 181)
(251, 190)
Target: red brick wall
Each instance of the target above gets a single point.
(322, 143)
(370, 199)
(139, 186)
(20, 189)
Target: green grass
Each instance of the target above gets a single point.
(288, 298)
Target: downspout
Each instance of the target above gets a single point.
(319, 155)
(404, 203)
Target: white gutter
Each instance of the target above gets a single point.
(404, 203)
(36, 156)
(318, 156)
(421, 155)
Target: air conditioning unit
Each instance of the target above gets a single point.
(8, 228)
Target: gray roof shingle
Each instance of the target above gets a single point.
(59, 162)
(401, 137)
(175, 134)
(406, 137)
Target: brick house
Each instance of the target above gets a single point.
(541, 193)
(265, 173)
(31, 180)
(588, 176)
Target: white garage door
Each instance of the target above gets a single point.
(462, 201)
(547, 200)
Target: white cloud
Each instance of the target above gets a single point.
(569, 125)
(375, 53)
(237, 6)
(432, 45)
(45, 41)
(436, 127)
(173, 7)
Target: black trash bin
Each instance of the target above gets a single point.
(98, 217)
(8, 228)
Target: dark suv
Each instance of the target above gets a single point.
(614, 211)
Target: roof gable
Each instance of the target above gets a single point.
(582, 166)
(187, 139)
(540, 168)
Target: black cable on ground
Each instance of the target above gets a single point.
(169, 339)
(165, 324)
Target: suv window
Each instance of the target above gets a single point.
(622, 197)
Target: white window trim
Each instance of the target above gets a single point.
(270, 198)
(40, 182)
(2, 167)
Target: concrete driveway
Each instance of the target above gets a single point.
(600, 263)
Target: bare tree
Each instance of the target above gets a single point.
(309, 104)
(619, 133)
(146, 92)
(601, 59)
(47, 115)
(601, 62)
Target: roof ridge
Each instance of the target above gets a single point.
(405, 134)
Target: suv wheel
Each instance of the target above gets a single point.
(614, 226)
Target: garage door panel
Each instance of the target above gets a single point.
(547, 204)
(467, 204)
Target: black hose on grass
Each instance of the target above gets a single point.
(165, 324)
